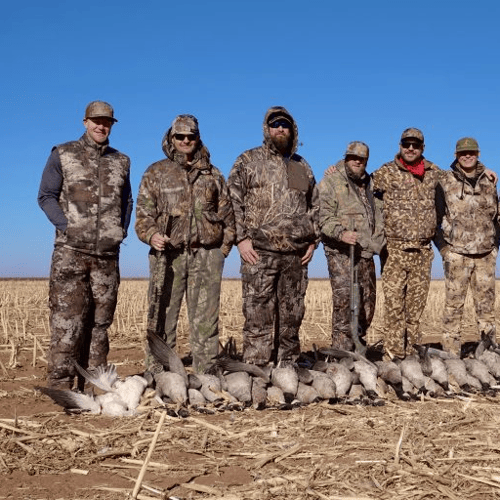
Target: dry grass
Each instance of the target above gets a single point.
(24, 313)
(432, 449)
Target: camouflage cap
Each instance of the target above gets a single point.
(466, 144)
(413, 133)
(185, 124)
(357, 148)
(100, 109)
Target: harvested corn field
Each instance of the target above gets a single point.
(432, 448)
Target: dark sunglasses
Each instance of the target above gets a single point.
(181, 137)
(280, 123)
(415, 144)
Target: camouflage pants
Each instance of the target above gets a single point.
(198, 275)
(340, 278)
(273, 305)
(462, 271)
(406, 279)
(83, 292)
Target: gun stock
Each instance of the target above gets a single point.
(355, 299)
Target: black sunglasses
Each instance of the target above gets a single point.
(280, 123)
(415, 144)
(181, 137)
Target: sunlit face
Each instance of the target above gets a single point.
(356, 164)
(98, 128)
(411, 150)
(467, 160)
(185, 143)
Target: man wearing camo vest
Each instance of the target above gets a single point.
(85, 192)
(348, 215)
(407, 186)
(185, 214)
(467, 238)
(275, 202)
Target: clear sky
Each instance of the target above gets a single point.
(346, 70)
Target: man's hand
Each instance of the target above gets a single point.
(330, 170)
(349, 237)
(248, 254)
(308, 255)
(159, 241)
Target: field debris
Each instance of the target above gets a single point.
(428, 447)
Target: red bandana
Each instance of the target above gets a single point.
(417, 169)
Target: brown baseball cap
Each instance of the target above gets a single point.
(466, 144)
(413, 133)
(100, 109)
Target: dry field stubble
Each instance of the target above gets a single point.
(429, 449)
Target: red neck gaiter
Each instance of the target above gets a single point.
(417, 169)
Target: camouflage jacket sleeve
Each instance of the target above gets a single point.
(236, 184)
(147, 205)
(329, 222)
(225, 213)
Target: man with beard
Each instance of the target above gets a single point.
(467, 238)
(348, 215)
(407, 186)
(184, 213)
(85, 192)
(275, 203)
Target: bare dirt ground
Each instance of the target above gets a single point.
(429, 449)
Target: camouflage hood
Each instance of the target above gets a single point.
(201, 158)
(279, 111)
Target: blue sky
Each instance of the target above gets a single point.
(358, 70)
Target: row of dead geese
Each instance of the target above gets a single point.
(332, 374)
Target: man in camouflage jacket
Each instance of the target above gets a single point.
(407, 186)
(184, 213)
(467, 238)
(348, 215)
(85, 192)
(275, 202)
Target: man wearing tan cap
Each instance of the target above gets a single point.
(349, 216)
(467, 238)
(85, 192)
(184, 213)
(407, 186)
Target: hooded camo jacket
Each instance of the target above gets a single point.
(467, 212)
(189, 202)
(275, 197)
(409, 203)
(341, 205)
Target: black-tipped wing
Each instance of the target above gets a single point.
(165, 355)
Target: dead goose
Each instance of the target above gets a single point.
(412, 370)
(259, 393)
(171, 385)
(287, 380)
(119, 398)
(368, 377)
(324, 385)
(239, 385)
(390, 373)
(480, 371)
(342, 377)
(307, 394)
